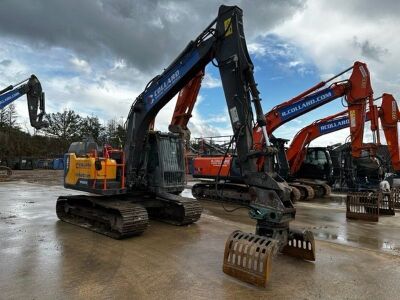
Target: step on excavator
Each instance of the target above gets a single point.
(142, 181)
(32, 88)
(355, 89)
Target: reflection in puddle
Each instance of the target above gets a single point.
(331, 225)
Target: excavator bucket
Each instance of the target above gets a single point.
(363, 205)
(5, 173)
(300, 244)
(247, 257)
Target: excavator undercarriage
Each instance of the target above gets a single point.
(126, 216)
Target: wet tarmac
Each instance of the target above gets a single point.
(43, 258)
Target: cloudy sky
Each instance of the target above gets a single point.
(96, 56)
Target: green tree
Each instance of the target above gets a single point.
(114, 134)
(90, 127)
(65, 125)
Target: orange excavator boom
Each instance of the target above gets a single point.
(184, 106)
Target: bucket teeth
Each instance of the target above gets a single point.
(300, 244)
(248, 257)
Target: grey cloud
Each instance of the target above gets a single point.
(147, 34)
(5, 62)
(372, 9)
(370, 50)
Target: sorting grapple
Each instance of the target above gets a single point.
(369, 205)
(363, 205)
(248, 257)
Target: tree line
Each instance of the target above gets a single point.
(64, 128)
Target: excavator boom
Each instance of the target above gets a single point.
(316, 97)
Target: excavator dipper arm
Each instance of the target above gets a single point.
(184, 106)
(35, 96)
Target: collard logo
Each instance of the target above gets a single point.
(9, 98)
(305, 105)
(334, 125)
(162, 88)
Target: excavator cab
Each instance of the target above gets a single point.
(166, 162)
(317, 165)
(100, 170)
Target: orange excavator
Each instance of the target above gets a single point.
(356, 90)
(388, 115)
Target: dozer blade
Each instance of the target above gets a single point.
(301, 245)
(247, 257)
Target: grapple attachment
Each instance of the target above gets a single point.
(247, 257)
(363, 205)
(300, 244)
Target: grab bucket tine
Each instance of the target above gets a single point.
(301, 245)
(247, 257)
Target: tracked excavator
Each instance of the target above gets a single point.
(356, 89)
(142, 181)
(32, 88)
